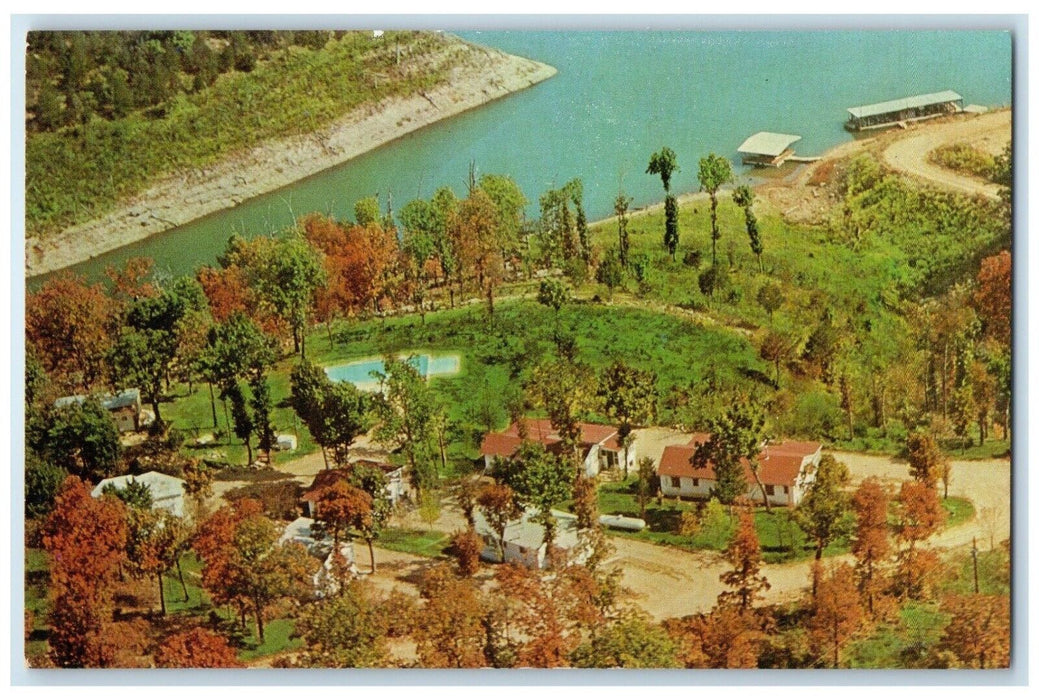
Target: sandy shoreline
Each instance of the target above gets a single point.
(184, 197)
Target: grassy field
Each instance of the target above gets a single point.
(425, 543)
(497, 354)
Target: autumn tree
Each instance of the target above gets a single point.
(628, 395)
(919, 515)
(465, 547)
(745, 579)
(475, 238)
(539, 479)
(196, 648)
(836, 614)
(344, 631)
(85, 539)
(586, 502)
(155, 541)
(452, 634)
(824, 512)
(71, 326)
(926, 461)
(992, 297)
(499, 507)
(340, 507)
(714, 172)
(978, 633)
(723, 638)
(244, 565)
(870, 543)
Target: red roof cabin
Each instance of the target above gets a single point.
(786, 469)
(600, 444)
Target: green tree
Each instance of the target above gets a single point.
(736, 437)
(243, 420)
(344, 631)
(235, 350)
(770, 297)
(345, 416)
(620, 208)
(565, 390)
(405, 411)
(665, 163)
(647, 476)
(553, 294)
(540, 480)
(824, 512)
(372, 481)
(629, 397)
(743, 196)
(80, 437)
(714, 172)
(291, 274)
(43, 480)
(630, 642)
(509, 203)
(263, 411)
(671, 225)
(610, 271)
(366, 211)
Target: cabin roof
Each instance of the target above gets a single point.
(904, 103)
(780, 462)
(766, 143)
(161, 486)
(505, 443)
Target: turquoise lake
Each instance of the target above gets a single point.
(618, 97)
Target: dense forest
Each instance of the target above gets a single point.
(108, 112)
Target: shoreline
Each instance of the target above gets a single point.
(181, 198)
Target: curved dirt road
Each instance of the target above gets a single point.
(670, 582)
(909, 154)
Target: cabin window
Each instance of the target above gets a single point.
(696, 482)
(523, 550)
(785, 490)
(676, 482)
(770, 489)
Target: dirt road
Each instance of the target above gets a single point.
(669, 582)
(989, 132)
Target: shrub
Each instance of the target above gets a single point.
(693, 258)
(465, 547)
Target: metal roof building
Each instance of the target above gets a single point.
(907, 109)
(767, 148)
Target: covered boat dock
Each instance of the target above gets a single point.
(767, 149)
(900, 112)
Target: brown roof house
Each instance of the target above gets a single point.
(599, 444)
(786, 469)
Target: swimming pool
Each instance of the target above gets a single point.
(361, 373)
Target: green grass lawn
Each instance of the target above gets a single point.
(958, 510)
(426, 543)
(900, 644)
(781, 538)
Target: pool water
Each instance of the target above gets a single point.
(362, 373)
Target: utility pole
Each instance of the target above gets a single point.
(974, 556)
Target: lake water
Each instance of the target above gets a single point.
(618, 97)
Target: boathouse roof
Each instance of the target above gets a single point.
(904, 103)
(766, 143)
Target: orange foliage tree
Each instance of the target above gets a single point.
(71, 326)
(341, 506)
(498, 503)
(920, 515)
(474, 235)
(870, 543)
(466, 547)
(725, 638)
(196, 648)
(745, 578)
(992, 296)
(837, 613)
(978, 634)
(451, 633)
(85, 538)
